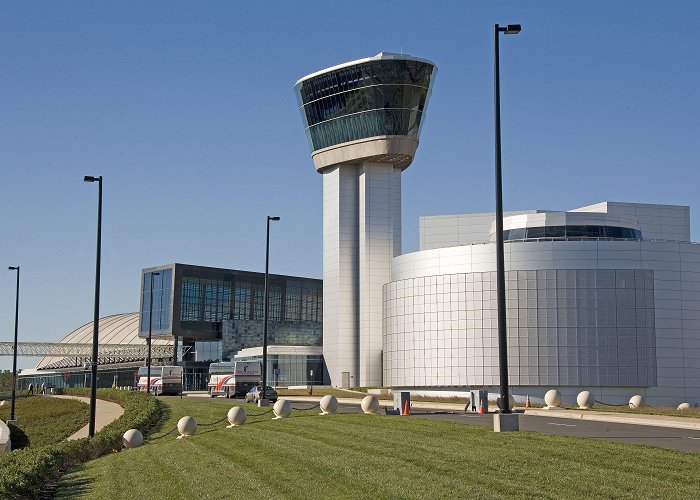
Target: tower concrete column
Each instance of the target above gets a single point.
(377, 221)
(341, 274)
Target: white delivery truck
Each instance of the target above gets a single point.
(164, 379)
(233, 378)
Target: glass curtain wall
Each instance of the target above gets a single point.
(382, 97)
(119, 377)
(288, 370)
(208, 300)
(162, 286)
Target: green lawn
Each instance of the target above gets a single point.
(46, 420)
(357, 456)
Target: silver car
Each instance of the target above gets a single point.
(255, 393)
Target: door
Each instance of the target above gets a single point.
(346, 380)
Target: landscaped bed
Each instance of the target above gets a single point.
(44, 420)
(357, 456)
(27, 472)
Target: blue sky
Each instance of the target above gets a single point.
(187, 110)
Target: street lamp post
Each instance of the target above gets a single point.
(511, 29)
(266, 302)
(14, 348)
(96, 316)
(150, 330)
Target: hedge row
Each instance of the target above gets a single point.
(26, 472)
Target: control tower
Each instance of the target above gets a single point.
(362, 120)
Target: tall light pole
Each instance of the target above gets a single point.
(267, 272)
(14, 348)
(150, 329)
(511, 29)
(96, 316)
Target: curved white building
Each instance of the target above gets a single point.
(604, 298)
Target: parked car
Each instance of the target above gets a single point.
(255, 392)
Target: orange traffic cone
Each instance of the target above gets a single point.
(527, 402)
(481, 407)
(406, 409)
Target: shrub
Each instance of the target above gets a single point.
(27, 472)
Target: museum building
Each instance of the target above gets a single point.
(604, 298)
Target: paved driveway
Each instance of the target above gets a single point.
(663, 437)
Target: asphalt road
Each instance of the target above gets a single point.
(662, 437)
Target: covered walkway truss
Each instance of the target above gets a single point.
(75, 355)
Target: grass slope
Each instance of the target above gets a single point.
(356, 456)
(47, 420)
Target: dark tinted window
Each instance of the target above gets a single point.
(572, 232)
(555, 231)
(535, 232)
(576, 231)
(516, 234)
(613, 232)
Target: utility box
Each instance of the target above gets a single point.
(479, 401)
(401, 399)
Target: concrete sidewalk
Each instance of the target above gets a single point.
(106, 412)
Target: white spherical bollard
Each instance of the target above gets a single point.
(186, 426)
(553, 398)
(236, 416)
(370, 404)
(636, 401)
(511, 402)
(132, 438)
(282, 408)
(329, 404)
(683, 407)
(585, 400)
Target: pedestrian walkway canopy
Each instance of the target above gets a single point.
(119, 342)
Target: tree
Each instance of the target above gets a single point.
(5, 380)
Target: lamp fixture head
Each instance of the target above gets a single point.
(512, 29)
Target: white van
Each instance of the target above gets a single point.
(164, 380)
(233, 378)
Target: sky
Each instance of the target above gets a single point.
(187, 110)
